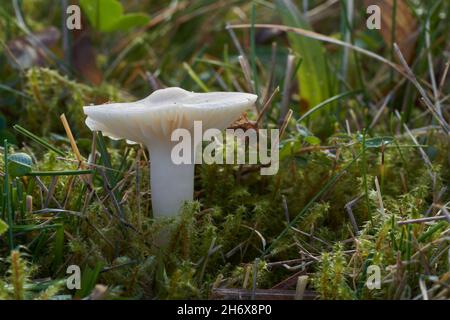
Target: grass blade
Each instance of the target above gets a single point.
(312, 76)
(38, 140)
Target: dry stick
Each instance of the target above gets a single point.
(111, 194)
(51, 190)
(444, 210)
(283, 126)
(292, 261)
(317, 36)
(247, 73)
(431, 69)
(425, 158)
(69, 190)
(285, 123)
(380, 199)
(444, 75)
(311, 236)
(73, 144)
(287, 87)
(435, 200)
(321, 37)
(380, 111)
(425, 99)
(348, 208)
(57, 211)
(301, 266)
(422, 220)
(75, 150)
(42, 187)
(267, 105)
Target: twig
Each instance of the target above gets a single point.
(444, 75)
(425, 99)
(267, 105)
(380, 199)
(247, 73)
(321, 37)
(425, 157)
(431, 69)
(348, 208)
(422, 220)
(380, 111)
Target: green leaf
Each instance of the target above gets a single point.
(89, 279)
(102, 14)
(58, 246)
(131, 20)
(312, 140)
(289, 148)
(108, 16)
(376, 142)
(19, 164)
(3, 226)
(312, 75)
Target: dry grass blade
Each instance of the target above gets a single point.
(290, 66)
(285, 123)
(380, 199)
(422, 220)
(425, 99)
(247, 72)
(73, 143)
(321, 37)
(444, 75)
(267, 105)
(348, 208)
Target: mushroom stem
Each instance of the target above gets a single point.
(171, 184)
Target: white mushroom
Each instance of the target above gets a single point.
(152, 120)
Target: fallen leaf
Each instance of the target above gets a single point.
(84, 57)
(406, 28)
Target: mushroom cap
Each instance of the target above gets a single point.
(155, 117)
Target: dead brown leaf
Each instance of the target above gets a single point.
(84, 56)
(406, 27)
